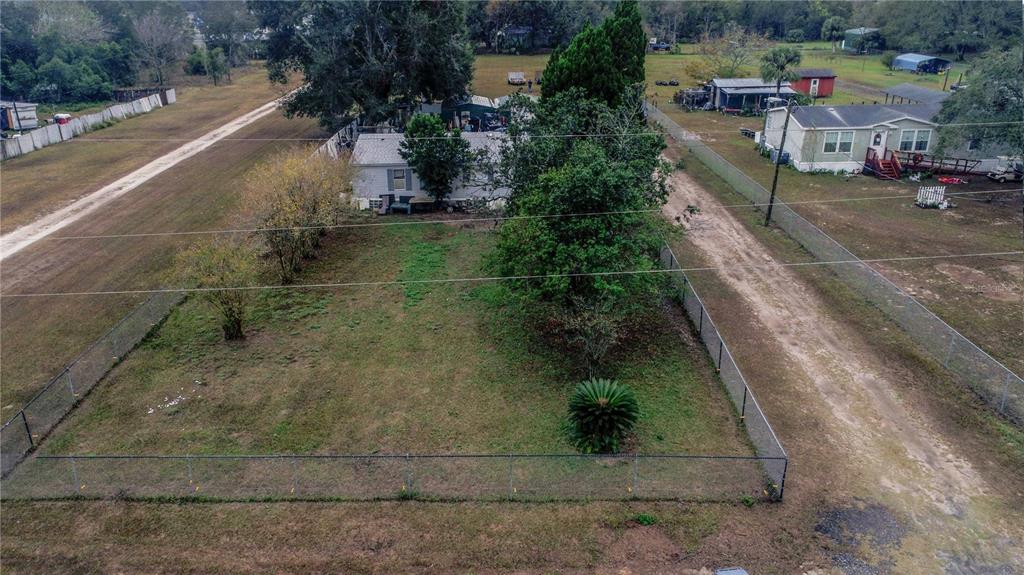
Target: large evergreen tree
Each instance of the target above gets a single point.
(587, 63)
(371, 57)
(625, 31)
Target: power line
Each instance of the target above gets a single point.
(483, 279)
(455, 221)
(529, 136)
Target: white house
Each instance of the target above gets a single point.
(877, 137)
(386, 179)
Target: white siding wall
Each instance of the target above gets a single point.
(372, 183)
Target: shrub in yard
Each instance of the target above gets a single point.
(602, 412)
(795, 36)
(222, 263)
(290, 199)
(887, 59)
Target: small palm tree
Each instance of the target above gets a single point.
(602, 412)
(777, 66)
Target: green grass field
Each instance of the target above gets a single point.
(861, 77)
(445, 368)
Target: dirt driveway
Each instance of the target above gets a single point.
(13, 242)
(847, 424)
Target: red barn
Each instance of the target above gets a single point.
(815, 82)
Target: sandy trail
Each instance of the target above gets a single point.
(13, 242)
(908, 465)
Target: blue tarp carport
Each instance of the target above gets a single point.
(920, 63)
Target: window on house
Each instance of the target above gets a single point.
(838, 142)
(915, 140)
(398, 183)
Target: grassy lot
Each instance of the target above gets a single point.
(861, 78)
(445, 368)
(40, 335)
(394, 537)
(40, 182)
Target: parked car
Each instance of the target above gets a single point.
(660, 83)
(673, 82)
(661, 47)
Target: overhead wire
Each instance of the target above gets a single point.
(482, 279)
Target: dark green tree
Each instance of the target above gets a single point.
(994, 96)
(832, 30)
(437, 156)
(587, 63)
(370, 57)
(227, 24)
(625, 31)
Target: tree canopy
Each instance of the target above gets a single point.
(437, 156)
(777, 65)
(372, 58)
(994, 95)
(601, 61)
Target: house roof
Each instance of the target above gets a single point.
(917, 93)
(760, 90)
(382, 149)
(862, 115)
(743, 83)
(816, 73)
(917, 58)
(861, 30)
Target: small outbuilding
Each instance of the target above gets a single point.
(815, 82)
(862, 40)
(920, 63)
(473, 113)
(18, 116)
(739, 94)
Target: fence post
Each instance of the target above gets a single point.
(511, 488)
(1006, 392)
(743, 408)
(782, 484)
(700, 322)
(408, 474)
(188, 463)
(28, 430)
(74, 476)
(636, 475)
(721, 344)
(71, 383)
(295, 476)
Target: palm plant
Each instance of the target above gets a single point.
(777, 66)
(602, 412)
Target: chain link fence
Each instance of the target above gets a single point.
(762, 436)
(44, 411)
(369, 477)
(990, 379)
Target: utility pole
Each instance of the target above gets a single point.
(778, 160)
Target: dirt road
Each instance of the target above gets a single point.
(17, 240)
(39, 335)
(884, 450)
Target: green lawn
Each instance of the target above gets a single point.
(444, 368)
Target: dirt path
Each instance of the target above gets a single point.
(900, 459)
(26, 235)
